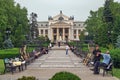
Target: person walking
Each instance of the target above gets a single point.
(67, 47)
(50, 45)
(58, 44)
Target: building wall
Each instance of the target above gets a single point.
(75, 27)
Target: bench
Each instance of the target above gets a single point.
(11, 66)
(108, 68)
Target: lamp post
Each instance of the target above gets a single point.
(7, 31)
(109, 36)
(86, 35)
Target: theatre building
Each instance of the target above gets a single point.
(61, 28)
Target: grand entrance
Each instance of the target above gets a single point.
(60, 34)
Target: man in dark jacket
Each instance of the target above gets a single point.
(96, 57)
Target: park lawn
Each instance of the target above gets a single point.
(116, 72)
(1, 66)
(10, 51)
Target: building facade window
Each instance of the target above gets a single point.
(79, 31)
(54, 30)
(75, 37)
(74, 24)
(41, 31)
(66, 30)
(46, 31)
(74, 31)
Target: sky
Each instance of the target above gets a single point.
(78, 8)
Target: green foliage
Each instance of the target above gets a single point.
(116, 72)
(14, 17)
(27, 78)
(115, 53)
(82, 36)
(72, 43)
(44, 41)
(118, 42)
(103, 24)
(9, 53)
(65, 76)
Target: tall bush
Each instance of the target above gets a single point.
(115, 53)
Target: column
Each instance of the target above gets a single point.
(77, 34)
(63, 33)
(44, 32)
(69, 36)
(57, 33)
(39, 32)
(51, 34)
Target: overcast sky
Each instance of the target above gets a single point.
(77, 8)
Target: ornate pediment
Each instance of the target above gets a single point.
(60, 23)
(60, 17)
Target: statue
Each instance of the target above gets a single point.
(8, 44)
(60, 36)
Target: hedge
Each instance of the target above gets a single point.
(65, 76)
(9, 53)
(115, 54)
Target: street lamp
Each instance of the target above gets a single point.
(8, 31)
(109, 36)
(86, 36)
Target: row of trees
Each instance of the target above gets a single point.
(14, 17)
(103, 25)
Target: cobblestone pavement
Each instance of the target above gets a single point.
(47, 65)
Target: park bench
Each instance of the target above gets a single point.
(11, 65)
(108, 68)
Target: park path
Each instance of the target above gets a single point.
(47, 65)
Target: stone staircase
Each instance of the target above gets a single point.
(58, 48)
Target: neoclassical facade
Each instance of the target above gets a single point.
(61, 28)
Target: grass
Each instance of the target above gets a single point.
(1, 66)
(116, 72)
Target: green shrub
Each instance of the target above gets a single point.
(27, 78)
(72, 43)
(9, 53)
(65, 76)
(115, 53)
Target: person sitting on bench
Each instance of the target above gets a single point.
(104, 63)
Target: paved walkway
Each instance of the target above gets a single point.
(47, 65)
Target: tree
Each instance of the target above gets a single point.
(103, 25)
(14, 17)
(118, 42)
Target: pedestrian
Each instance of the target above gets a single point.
(67, 47)
(104, 63)
(58, 44)
(96, 57)
(50, 45)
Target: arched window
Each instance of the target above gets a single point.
(61, 18)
